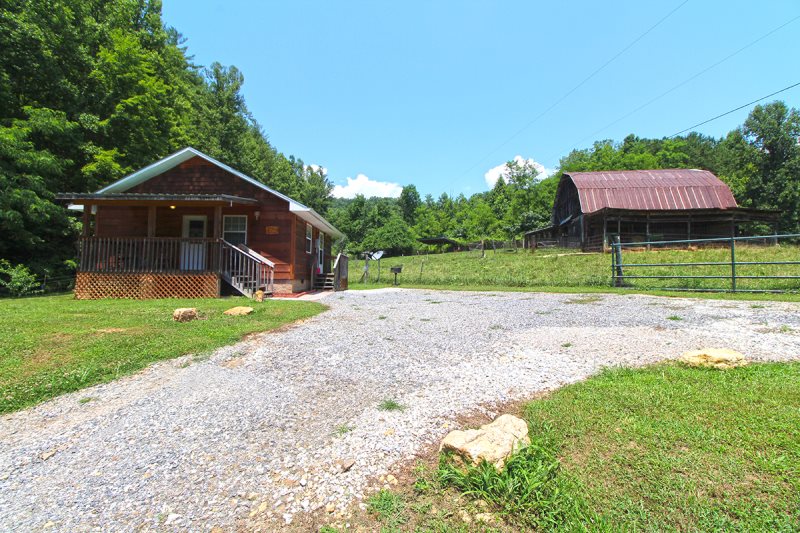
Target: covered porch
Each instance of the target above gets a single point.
(168, 246)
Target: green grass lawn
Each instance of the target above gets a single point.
(663, 448)
(567, 270)
(56, 344)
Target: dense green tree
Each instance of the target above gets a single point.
(761, 161)
(409, 201)
(91, 90)
(393, 236)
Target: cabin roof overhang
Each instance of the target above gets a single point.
(172, 161)
(134, 199)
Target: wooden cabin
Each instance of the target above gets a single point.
(189, 226)
(643, 205)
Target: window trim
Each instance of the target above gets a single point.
(309, 238)
(245, 217)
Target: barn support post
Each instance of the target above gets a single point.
(689, 231)
(605, 233)
(583, 233)
(647, 230)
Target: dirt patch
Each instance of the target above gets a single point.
(423, 465)
(234, 363)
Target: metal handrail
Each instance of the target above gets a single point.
(620, 279)
(713, 239)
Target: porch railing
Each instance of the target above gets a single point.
(340, 267)
(148, 254)
(245, 269)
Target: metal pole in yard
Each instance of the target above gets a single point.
(613, 266)
(618, 278)
(733, 264)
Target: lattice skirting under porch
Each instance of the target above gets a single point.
(96, 285)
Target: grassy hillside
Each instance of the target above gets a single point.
(568, 269)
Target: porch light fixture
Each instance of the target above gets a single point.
(172, 207)
(257, 214)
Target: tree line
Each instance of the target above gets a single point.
(760, 161)
(91, 90)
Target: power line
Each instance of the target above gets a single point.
(687, 80)
(734, 110)
(576, 87)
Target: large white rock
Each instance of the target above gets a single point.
(184, 314)
(721, 358)
(238, 311)
(493, 442)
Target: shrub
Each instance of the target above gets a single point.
(18, 280)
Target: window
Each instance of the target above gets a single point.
(309, 235)
(234, 229)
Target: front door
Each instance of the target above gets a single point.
(320, 252)
(193, 247)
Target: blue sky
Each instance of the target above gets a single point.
(435, 93)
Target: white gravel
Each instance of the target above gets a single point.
(250, 435)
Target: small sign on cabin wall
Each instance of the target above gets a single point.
(272, 230)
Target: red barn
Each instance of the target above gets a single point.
(189, 226)
(643, 205)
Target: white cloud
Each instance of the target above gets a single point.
(317, 168)
(363, 185)
(493, 174)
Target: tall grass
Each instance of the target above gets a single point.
(531, 491)
(571, 269)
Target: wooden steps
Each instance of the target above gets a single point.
(324, 282)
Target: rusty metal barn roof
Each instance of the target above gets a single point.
(666, 189)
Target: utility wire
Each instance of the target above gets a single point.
(684, 82)
(576, 87)
(734, 110)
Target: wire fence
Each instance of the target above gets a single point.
(46, 285)
(764, 263)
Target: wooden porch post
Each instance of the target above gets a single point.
(218, 222)
(151, 221)
(87, 220)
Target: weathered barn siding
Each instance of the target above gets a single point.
(642, 205)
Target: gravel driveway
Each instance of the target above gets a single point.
(258, 431)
